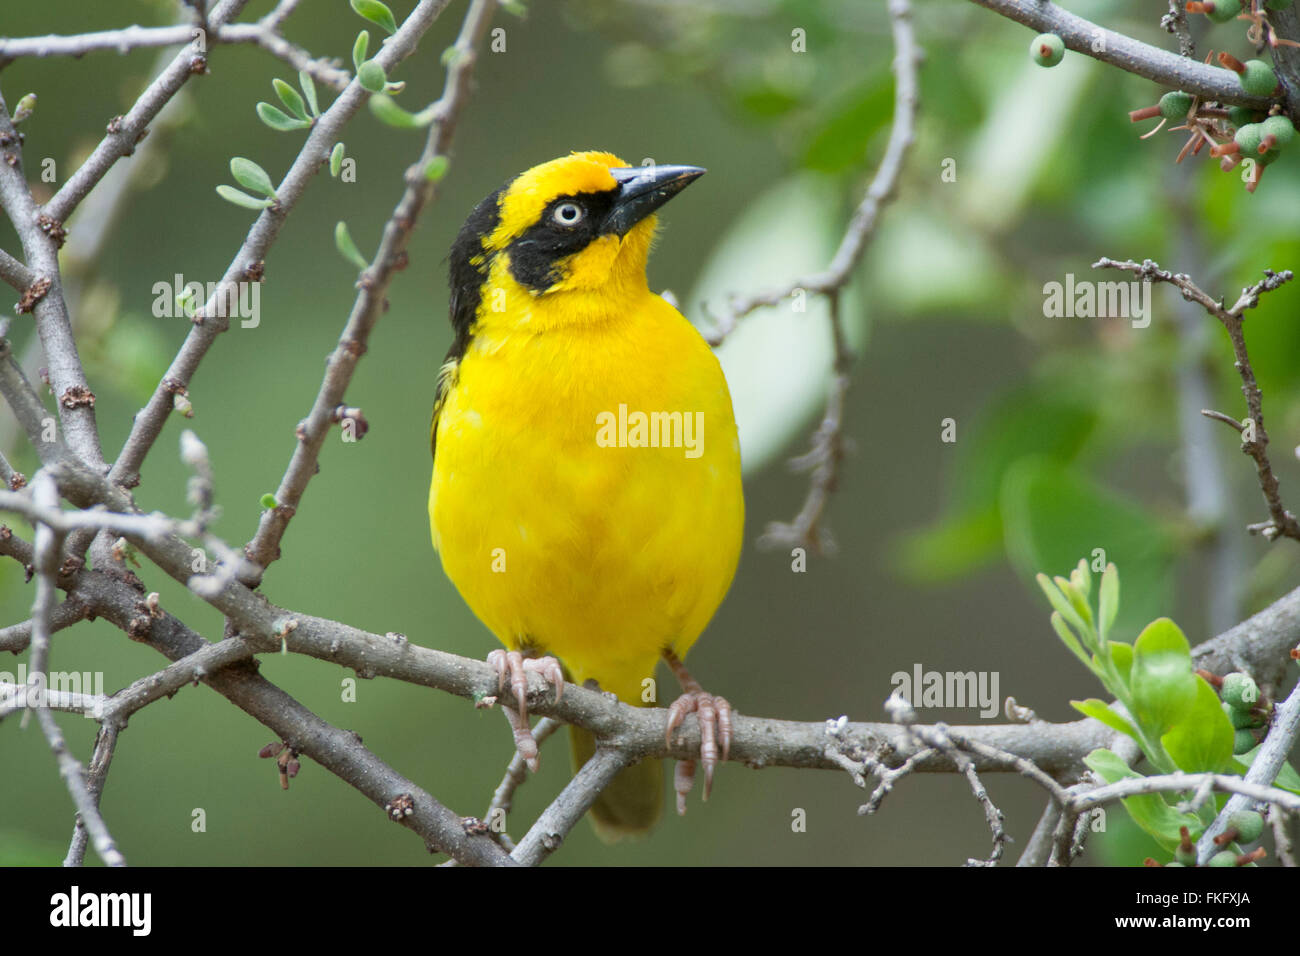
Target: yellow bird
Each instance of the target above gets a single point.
(586, 497)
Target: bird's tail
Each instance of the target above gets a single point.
(632, 804)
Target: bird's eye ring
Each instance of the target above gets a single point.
(568, 214)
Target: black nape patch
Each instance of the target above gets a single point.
(535, 255)
(466, 280)
(466, 277)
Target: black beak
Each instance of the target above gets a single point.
(642, 190)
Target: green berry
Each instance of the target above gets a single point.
(1176, 863)
(1249, 825)
(1258, 78)
(1240, 718)
(1185, 857)
(1280, 128)
(1175, 105)
(1244, 741)
(1221, 11)
(1238, 689)
(1047, 49)
(1242, 115)
(1248, 138)
(1223, 858)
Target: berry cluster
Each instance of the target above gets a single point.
(1236, 135)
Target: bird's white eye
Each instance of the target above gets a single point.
(568, 214)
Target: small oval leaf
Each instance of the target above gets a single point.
(233, 195)
(336, 159)
(291, 98)
(348, 248)
(251, 176)
(376, 13)
(278, 119)
(360, 48)
(309, 90)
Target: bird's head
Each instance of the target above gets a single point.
(562, 243)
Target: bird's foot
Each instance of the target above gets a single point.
(714, 714)
(514, 665)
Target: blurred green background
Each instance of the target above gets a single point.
(1068, 435)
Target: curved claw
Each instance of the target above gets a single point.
(714, 714)
(514, 665)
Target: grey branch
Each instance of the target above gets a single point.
(1161, 66)
(546, 835)
(15, 273)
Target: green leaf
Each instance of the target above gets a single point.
(1121, 655)
(1067, 610)
(251, 176)
(1077, 598)
(1201, 742)
(233, 195)
(336, 159)
(291, 98)
(840, 140)
(389, 112)
(1287, 778)
(1108, 604)
(309, 90)
(436, 168)
(343, 240)
(371, 76)
(1069, 639)
(278, 119)
(1148, 810)
(1163, 685)
(360, 48)
(450, 57)
(1096, 709)
(515, 8)
(376, 13)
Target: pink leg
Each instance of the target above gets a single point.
(714, 715)
(516, 666)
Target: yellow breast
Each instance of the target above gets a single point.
(586, 496)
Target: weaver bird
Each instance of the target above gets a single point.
(586, 497)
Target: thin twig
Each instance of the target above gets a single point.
(247, 263)
(100, 761)
(1282, 522)
(546, 835)
(48, 547)
(515, 775)
(807, 530)
(371, 298)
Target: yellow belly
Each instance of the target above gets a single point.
(561, 539)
